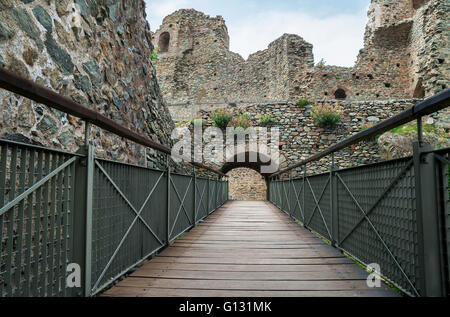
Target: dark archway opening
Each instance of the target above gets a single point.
(164, 41)
(340, 94)
(419, 91)
(416, 4)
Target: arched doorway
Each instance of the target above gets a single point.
(164, 42)
(340, 94)
(247, 175)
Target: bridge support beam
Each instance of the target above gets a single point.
(429, 222)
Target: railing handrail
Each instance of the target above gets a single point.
(29, 89)
(423, 108)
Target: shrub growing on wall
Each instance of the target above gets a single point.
(267, 119)
(326, 114)
(241, 122)
(221, 118)
(303, 103)
(197, 122)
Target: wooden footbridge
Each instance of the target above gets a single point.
(248, 248)
(72, 224)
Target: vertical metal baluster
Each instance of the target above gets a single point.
(12, 194)
(51, 240)
(3, 172)
(43, 277)
(37, 226)
(65, 214)
(31, 176)
(20, 222)
(52, 211)
(59, 216)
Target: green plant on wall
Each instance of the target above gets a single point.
(326, 114)
(267, 119)
(197, 122)
(242, 122)
(155, 53)
(221, 117)
(303, 103)
(366, 125)
(321, 63)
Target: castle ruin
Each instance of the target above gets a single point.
(404, 56)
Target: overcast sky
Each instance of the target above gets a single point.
(334, 27)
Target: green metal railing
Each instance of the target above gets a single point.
(394, 213)
(58, 209)
(36, 219)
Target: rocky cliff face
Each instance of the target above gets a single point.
(97, 52)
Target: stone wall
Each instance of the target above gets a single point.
(95, 52)
(301, 137)
(405, 55)
(246, 184)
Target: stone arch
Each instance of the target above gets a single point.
(164, 42)
(249, 161)
(247, 179)
(340, 94)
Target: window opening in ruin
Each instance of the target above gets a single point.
(370, 76)
(340, 94)
(417, 4)
(164, 41)
(419, 91)
(387, 85)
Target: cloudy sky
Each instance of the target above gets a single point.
(334, 27)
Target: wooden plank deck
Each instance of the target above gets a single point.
(248, 249)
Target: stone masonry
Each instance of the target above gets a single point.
(246, 184)
(96, 52)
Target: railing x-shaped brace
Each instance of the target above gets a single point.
(372, 226)
(137, 217)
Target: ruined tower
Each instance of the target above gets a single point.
(405, 55)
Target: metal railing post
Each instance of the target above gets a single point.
(82, 216)
(334, 205)
(89, 197)
(289, 195)
(208, 209)
(195, 198)
(304, 190)
(168, 202)
(431, 262)
(217, 193)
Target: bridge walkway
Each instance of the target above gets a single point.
(248, 249)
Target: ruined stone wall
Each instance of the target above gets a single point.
(301, 137)
(405, 55)
(95, 52)
(197, 64)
